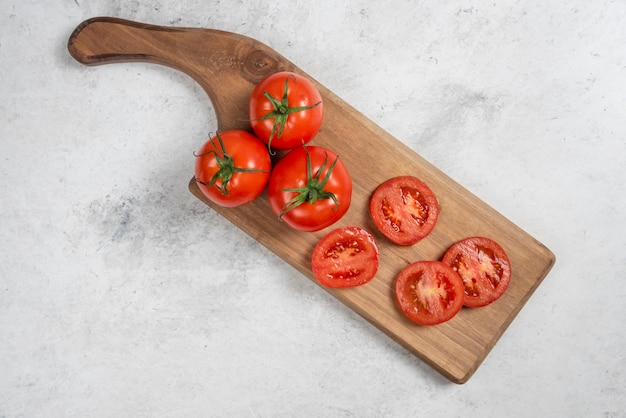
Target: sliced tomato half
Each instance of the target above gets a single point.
(484, 267)
(404, 209)
(345, 257)
(429, 292)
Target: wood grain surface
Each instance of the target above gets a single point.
(227, 66)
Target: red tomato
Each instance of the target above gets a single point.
(404, 209)
(310, 188)
(286, 110)
(345, 257)
(429, 292)
(484, 267)
(232, 168)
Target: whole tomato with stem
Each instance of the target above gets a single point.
(286, 110)
(232, 168)
(310, 188)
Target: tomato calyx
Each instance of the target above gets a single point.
(226, 164)
(314, 188)
(281, 112)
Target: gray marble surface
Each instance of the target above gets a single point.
(123, 295)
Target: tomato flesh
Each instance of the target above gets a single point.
(429, 292)
(345, 257)
(404, 209)
(484, 267)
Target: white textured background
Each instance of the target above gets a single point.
(122, 295)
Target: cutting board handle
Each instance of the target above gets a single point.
(225, 64)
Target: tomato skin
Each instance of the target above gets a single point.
(484, 267)
(300, 127)
(345, 257)
(247, 152)
(429, 292)
(291, 172)
(404, 209)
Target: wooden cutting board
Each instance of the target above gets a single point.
(227, 66)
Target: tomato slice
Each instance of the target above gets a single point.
(484, 267)
(404, 209)
(345, 257)
(429, 292)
